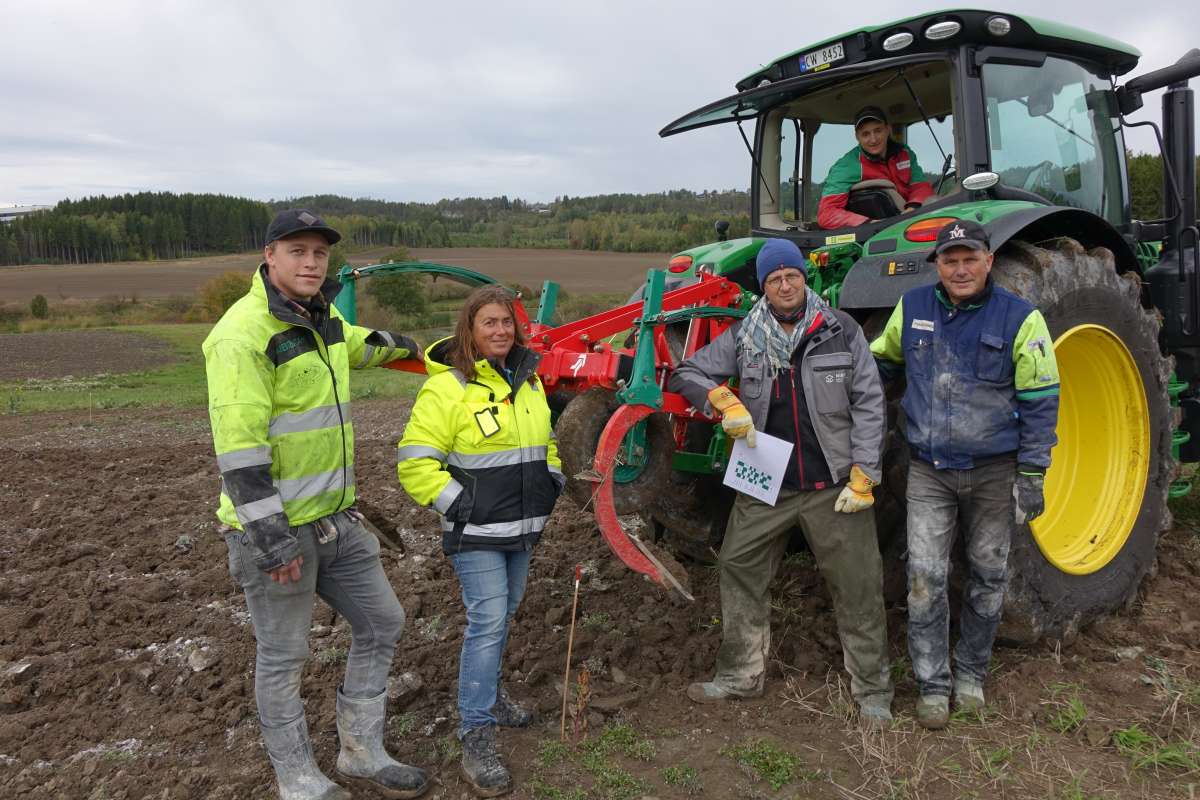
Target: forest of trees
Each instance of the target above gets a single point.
(131, 227)
(162, 225)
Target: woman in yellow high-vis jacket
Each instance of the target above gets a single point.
(479, 448)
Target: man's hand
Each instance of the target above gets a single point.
(289, 572)
(1029, 493)
(856, 494)
(735, 419)
(912, 205)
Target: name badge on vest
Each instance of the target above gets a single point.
(486, 420)
(922, 325)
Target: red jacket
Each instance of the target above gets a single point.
(899, 166)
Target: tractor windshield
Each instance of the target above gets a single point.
(1051, 131)
(805, 141)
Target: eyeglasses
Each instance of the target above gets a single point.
(794, 278)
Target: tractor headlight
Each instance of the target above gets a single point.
(943, 30)
(998, 26)
(897, 41)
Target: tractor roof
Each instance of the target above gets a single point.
(1029, 33)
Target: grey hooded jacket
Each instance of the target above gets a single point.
(841, 387)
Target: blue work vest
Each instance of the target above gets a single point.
(960, 402)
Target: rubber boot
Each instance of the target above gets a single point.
(509, 713)
(296, 770)
(481, 765)
(363, 758)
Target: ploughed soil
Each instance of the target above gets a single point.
(58, 354)
(126, 655)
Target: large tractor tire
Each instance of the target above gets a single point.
(1106, 490)
(636, 483)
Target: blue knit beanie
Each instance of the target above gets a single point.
(777, 254)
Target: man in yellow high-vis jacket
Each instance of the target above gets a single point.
(278, 366)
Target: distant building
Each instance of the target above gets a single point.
(9, 213)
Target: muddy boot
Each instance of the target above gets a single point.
(363, 758)
(480, 764)
(968, 695)
(933, 711)
(296, 770)
(507, 712)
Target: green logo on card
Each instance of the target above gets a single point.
(749, 474)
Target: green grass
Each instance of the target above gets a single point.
(1145, 750)
(683, 777)
(1070, 715)
(179, 384)
(770, 763)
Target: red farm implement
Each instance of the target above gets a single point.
(621, 433)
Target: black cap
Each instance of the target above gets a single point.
(299, 220)
(960, 233)
(869, 112)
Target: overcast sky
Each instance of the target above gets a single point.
(419, 101)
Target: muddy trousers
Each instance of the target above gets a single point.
(847, 554)
(347, 574)
(939, 500)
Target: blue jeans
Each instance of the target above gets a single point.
(980, 500)
(347, 574)
(493, 584)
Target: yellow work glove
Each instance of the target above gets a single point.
(735, 419)
(856, 495)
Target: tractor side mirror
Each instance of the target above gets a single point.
(1040, 104)
(722, 227)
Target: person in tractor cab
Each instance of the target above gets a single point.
(278, 365)
(877, 156)
(806, 376)
(981, 404)
(479, 448)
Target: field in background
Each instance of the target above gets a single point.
(576, 270)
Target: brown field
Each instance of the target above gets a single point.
(576, 270)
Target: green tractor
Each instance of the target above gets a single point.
(1020, 124)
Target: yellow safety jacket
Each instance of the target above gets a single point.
(482, 452)
(279, 404)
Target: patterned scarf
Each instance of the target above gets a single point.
(762, 335)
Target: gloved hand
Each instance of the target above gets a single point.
(856, 494)
(1028, 493)
(735, 419)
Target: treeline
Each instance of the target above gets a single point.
(655, 222)
(131, 227)
(159, 225)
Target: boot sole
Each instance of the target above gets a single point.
(485, 791)
(384, 791)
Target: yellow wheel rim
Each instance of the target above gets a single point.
(1097, 478)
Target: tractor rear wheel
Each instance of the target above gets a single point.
(1106, 489)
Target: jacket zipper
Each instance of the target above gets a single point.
(796, 422)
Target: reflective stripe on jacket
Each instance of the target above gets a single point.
(494, 492)
(279, 404)
(982, 379)
(841, 388)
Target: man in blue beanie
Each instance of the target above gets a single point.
(806, 375)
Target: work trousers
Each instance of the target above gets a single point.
(493, 583)
(981, 499)
(347, 574)
(847, 554)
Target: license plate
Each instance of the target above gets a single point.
(821, 58)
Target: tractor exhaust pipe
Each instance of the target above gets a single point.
(1179, 147)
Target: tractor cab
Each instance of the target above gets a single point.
(966, 92)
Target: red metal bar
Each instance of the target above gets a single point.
(602, 497)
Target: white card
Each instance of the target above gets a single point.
(758, 471)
